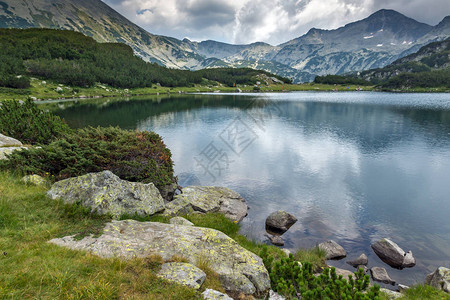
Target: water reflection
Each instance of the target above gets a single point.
(351, 167)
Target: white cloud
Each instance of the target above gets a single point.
(275, 22)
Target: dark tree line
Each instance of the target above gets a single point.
(74, 59)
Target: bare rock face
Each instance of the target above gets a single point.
(6, 141)
(239, 269)
(439, 279)
(381, 275)
(207, 199)
(361, 260)
(106, 193)
(333, 250)
(183, 273)
(280, 221)
(390, 253)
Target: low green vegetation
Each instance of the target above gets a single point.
(424, 292)
(27, 123)
(73, 59)
(288, 278)
(62, 153)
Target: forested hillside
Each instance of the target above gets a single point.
(73, 59)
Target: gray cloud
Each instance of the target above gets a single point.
(275, 22)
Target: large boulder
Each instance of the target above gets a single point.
(6, 141)
(183, 273)
(439, 279)
(333, 250)
(380, 274)
(239, 269)
(105, 193)
(279, 222)
(207, 199)
(393, 255)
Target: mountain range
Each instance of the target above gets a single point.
(373, 42)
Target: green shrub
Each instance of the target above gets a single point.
(131, 155)
(290, 279)
(27, 123)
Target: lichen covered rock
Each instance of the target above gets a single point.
(206, 199)
(439, 279)
(34, 179)
(239, 270)
(105, 193)
(183, 273)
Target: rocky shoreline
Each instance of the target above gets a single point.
(240, 271)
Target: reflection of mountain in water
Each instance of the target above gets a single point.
(373, 127)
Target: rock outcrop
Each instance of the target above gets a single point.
(239, 270)
(6, 141)
(390, 253)
(279, 222)
(361, 260)
(333, 250)
(439, 279)
(183, 273)
(381, 275)
(106, 193)
(207, 199)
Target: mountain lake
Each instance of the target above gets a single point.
(354, 167)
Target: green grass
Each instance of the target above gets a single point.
(422, 292)
(31, 268)
(34, 269)
(314, 256)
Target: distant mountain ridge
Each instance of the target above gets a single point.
(373, 42)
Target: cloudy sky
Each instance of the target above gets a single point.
(271, 21)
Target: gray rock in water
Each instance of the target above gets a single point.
(105, 193)
(210, 294)
(361, 260)
(280, 221)
(381, 275)
(183, 273)
(402, 288)
(276, 240)
(393, 255)
(6, 141)
(239, 269)
(207, 199)
(180, 221)
(439, 279)
(34, 179)
(333, 250)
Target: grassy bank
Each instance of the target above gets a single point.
(45, 90)
(32, 268)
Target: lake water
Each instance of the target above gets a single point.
(353, 167)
